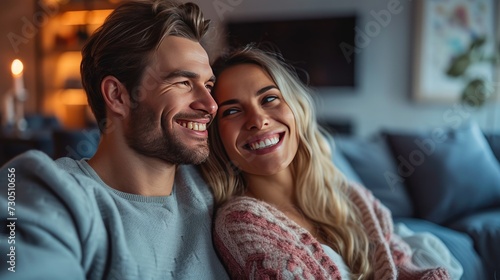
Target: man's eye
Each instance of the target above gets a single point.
(185, 83)
(209, 87)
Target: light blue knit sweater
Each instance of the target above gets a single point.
(71, 225)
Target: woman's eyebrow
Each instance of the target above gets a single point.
(259, 92)
(229, 102)
(264, 89)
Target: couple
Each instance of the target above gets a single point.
(138, 210)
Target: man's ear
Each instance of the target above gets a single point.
(116, 96)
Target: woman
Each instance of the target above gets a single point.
(284, 210)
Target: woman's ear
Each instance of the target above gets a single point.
(116, 96)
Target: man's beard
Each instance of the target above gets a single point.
(147, 137)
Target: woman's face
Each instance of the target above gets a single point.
(256, 126)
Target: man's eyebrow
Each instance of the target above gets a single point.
(186, 74)
(181, 73)
(259, 92)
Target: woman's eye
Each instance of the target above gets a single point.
(269, 98)
(229, 112)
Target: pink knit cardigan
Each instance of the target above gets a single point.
(257, 241)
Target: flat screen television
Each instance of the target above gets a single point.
(310, 44)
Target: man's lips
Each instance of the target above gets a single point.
(196, 126)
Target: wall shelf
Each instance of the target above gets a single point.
(60, 41)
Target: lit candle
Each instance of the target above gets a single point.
(17, 75)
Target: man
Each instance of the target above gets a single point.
(134, 210)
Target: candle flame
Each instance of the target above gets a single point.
(17, 67)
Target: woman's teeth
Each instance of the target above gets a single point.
(194, 126)
(264, 143)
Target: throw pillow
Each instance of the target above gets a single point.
(484, 229)
(371, 160)
(449, 173)
(494, 142)
(342, 164)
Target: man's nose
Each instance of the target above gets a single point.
(205, 102)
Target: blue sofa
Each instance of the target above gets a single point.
(445, 181)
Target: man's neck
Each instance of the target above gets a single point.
(125, 170)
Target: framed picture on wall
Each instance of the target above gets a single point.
(445, 29)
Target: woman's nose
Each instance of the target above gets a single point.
(256, 119)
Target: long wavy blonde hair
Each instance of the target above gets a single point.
(321, 189)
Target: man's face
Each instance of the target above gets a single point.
(174, 104)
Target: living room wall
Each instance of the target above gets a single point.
(382, 98)
(18, 41)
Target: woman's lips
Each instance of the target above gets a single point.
(264, 142)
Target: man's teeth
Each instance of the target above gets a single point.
(194, 126)
(264, 143)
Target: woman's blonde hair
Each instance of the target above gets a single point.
(321, 189)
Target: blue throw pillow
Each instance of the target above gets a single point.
(484, 228)
(372, 162)
(343, 165)
(494, 142)
(450, 173)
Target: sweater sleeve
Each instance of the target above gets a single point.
(256, 243)
(47, 219)
(400, 251)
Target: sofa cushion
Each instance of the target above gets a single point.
(371, 160)
(343, 165)
(484, 228)
(449, 173)
(340, 161)
(428, 251)
(494, 142)
(459, 244)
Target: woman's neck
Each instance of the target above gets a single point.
(279, 191)
(276, 189)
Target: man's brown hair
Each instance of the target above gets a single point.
(123, 45)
